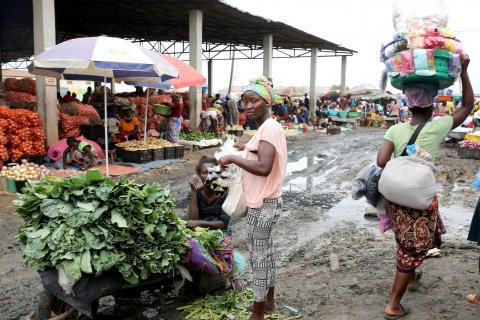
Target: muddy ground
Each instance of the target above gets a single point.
(319, 226)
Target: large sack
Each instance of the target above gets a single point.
(409, 182)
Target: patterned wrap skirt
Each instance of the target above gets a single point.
(416, 232)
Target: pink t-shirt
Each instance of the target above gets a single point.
(256, 188)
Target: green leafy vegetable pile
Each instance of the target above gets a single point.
(89, 224)
(229, 306)
(192, 136)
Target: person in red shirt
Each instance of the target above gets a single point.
(68, 97)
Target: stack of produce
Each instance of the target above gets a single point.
(24, 171)
(151, 143)
(193, 136)
(21, 134)
(153, 120)
(89, 224)
(423, 49)
(75, 114)
(20, 90)
(26, 85)
(469, 144)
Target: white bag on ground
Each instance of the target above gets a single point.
(409, 182)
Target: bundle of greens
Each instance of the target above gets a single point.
(89, 224)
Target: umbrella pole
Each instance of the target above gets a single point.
(105, 120)
(146, 116)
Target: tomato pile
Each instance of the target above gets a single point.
(75, 114)
(21, 134)
(26, 85)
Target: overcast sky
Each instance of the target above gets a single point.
(360, 25)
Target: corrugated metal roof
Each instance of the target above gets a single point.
(150, 20)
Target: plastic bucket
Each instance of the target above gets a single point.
(11, 186)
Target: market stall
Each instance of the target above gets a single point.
(90, 236)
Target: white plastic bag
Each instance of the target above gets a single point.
(234, 204)
(409, 182)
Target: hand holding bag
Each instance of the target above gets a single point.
(234, 204)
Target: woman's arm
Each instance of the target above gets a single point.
(461, 114)
(206, 224)
(193, 212)
(261, 167)
(384, 153)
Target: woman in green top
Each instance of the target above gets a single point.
(417, 231)
(79, 154)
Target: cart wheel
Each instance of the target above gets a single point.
(44, 306)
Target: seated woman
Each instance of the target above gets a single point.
(205, 204)
(205, 208)
(128, 128)
(79, 155)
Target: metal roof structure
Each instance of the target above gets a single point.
(162, 24)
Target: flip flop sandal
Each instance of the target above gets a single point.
(418, 274)
(398, 316)
(472, 298)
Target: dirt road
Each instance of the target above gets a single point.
(332, 263)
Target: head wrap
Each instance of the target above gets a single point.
(217, 104)
(419, 96)
(263, 87)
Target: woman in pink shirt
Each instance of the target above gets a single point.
(264, 171)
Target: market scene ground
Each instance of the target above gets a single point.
(332, 262)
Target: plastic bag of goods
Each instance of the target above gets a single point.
(419, 14)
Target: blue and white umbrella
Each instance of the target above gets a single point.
(95, 58)
(101, 59)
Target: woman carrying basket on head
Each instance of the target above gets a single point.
(417, 231)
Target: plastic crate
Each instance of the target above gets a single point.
(169, 152)
(442, 79)
(179, 152)
(158, 154)
(469, 153)
(119, 151)
(161, 109)
(138, 156)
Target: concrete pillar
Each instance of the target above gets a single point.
(267, 55)
(210, 76)
(313, 79)
(195, 39)
(43, 39)
(343, 87)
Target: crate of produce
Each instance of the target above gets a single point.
(162, 109)
(158, 153)
(169, 152)
(119, 151)
(137, 156)
(468, 153)
(179, 152)
(333, 130)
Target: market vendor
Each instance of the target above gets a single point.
(205, 209)
(174, 124)
(212, 119)
(128, 128)
(79, 155)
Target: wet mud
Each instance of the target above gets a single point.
(332, 262)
